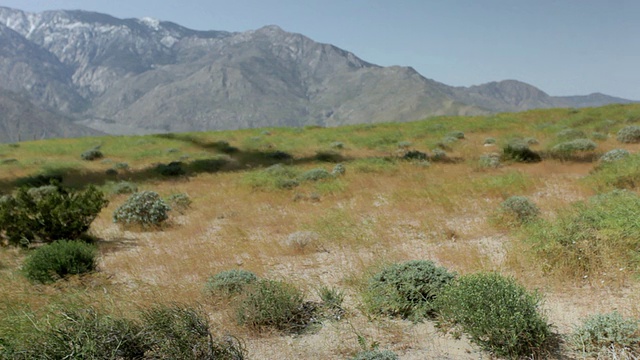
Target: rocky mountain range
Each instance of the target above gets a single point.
(124, 76)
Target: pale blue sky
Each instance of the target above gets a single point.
(564, 47)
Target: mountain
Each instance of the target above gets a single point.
(21, 120)
(144, 75)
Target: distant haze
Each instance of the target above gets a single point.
(564, 47)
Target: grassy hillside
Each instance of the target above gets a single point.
(430, 190)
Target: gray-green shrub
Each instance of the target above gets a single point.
(629, 134)
(614, 155)
(497, 314)
(51, 262)
(229, 282)
(520, 208)
(144, 208)
(376, 355)
(180, 202)
(490, 160)
(315, 175)
(600, 333)
(570, 148)
(122, 187)
(407, 289)
(519, 151)
(92, 154)
(570, 134)
(415, 155)
(272, 304)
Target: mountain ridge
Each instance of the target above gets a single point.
(146, 75)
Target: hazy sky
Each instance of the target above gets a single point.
(564, 47)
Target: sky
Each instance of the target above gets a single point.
(563, 47)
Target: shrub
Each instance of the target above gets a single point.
(278, 155)
(337, 145)
(122, 166)
(456, 134)
(39, 180)
(415, 155)
(407, 289)
(144, 208)
(520, 152)
(569, 148)
(54, 261)
(173, 168)
(623, 173)
(273, 304)
(571, 134)
(404, 144)
(520, 208)
(489, 141)
(530, 141)
(629, 134)
(92, 154)
(604, 332)
(339, 170)
(315, 175)
(230, 282)
(181, 332)
(497, 313)
(123, 187)
(301, 239)
(438, 155)
(490, 160)
(45, 215)
(614, 155)
(376, 355)
(180, 202)
(599, 136)
(447, 140)
(111, 172)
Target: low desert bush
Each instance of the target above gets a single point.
(122, 187)
(376, 355)
(51, 262)
(415, 155)
(145, 209)
(623, 173)
(180, 202)
(172, 169)
(92, 154)
(271, 304)
(456, 134)
(315, 175)
(570, 134)
(570, 149)
(601, 334)
(490, 160)
(230, 282)
(489, 141)
(339, 170)
(518, 210)
(497, 314)
(614, 155)
(439, 155)
(590, 238)
(407, 289)
(629, 134)
(47, 214)
(520, 152)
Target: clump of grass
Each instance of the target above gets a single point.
(54, 261)
(497, 314)
(629, 134)
(180, 202)
(591, 238)
(406, 290)
(230, 282)
(145, 209)
(271, 304)
(404, 144)
(489, 141)
(376, 355)
(274, 177)
(518, 209)
(122, 187)
(623, 173)
(374, 165)
(602, 334)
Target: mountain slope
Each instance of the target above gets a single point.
(145, 75)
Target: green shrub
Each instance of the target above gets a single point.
(497, 314)
(122, 187)
(404, 144)
(530, 141)
(46, 215)
(162, 332)
(180, 202)
(339, 170)
(59, 259)
(629, 134)
(600, 235)
(456, 134)
(92, 154)
(570, 148)
(520, 152)
(599, 136)
(520, 208)
(276, 176)
(182, 332)
(605, 332)
(415, 155)
(230, 282)
(315, 175)
(144, 208)
(407, 289)
(490, 160)
(614, 155)
(337, 145)
(171, 169)
(376, 355)
(489, 141)
(273, 304)
(439, 155)
(571, 134)
(122, 166)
